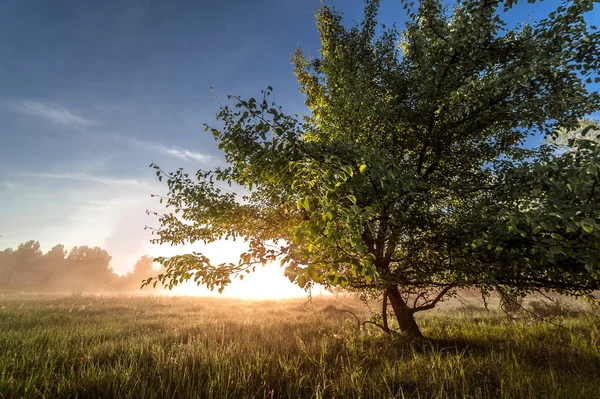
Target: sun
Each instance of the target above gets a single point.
(267, 282)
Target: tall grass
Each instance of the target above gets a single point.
(160, 347)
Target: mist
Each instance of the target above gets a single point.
(80, 269)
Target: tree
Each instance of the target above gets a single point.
(28, 255)
(57, 253)
(53, 265)
(141, 270)
(409, 177)
(143, 267)
(555, 208)
(565, 139)
(7, 265)
(92, 265)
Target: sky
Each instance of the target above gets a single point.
(91, 93)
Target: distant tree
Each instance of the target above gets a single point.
(409, 177)
(97, 257)
(142, 269)
(58, 252)
(7, 265)
(92, 265)
(27, 264)
(7, 255)
(54, 266)
(28, 255)
(83, 268)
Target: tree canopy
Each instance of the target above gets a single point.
(409, 176)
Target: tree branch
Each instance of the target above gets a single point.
(431, 304)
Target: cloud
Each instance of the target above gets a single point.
(89, 178)
(185, 154)
(53, 113)
(175, 152)
(9, 185)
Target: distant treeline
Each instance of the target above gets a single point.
(81, 269)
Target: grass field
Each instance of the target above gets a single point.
(176, 347)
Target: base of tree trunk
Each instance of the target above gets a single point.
(404, 315)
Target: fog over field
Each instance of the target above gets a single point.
(88, 270)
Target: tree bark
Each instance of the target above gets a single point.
(384, 318)
(404, 315)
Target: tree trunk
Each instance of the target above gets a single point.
(404, 315)
(384, 318)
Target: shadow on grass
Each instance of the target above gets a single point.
(540, 355)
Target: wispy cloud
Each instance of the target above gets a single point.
(88, 178)
(8, 184)
(51, 112)
(185, 154)
(175, 152)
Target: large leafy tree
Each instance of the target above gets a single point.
(409, 177)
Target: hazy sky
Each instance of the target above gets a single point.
(92, 92)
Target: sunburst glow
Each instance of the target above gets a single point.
(266, 282)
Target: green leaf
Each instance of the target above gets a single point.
(362, 168)
(292, 276)
(314, 230)
(591, 170)
(306, 203)
(298, 236)
(343, 282)
(301, 281)
(348, 170)
(588, 225)
(328, 176)
(585, 131)
(285, 198)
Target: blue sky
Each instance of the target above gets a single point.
(92, 92)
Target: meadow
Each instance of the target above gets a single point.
(79, 346)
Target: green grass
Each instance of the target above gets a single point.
(131, 347)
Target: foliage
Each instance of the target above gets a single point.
(566, 138)
(58, 252)
(95, 260)
(555, 208)
(28, 254)
(409, 175)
